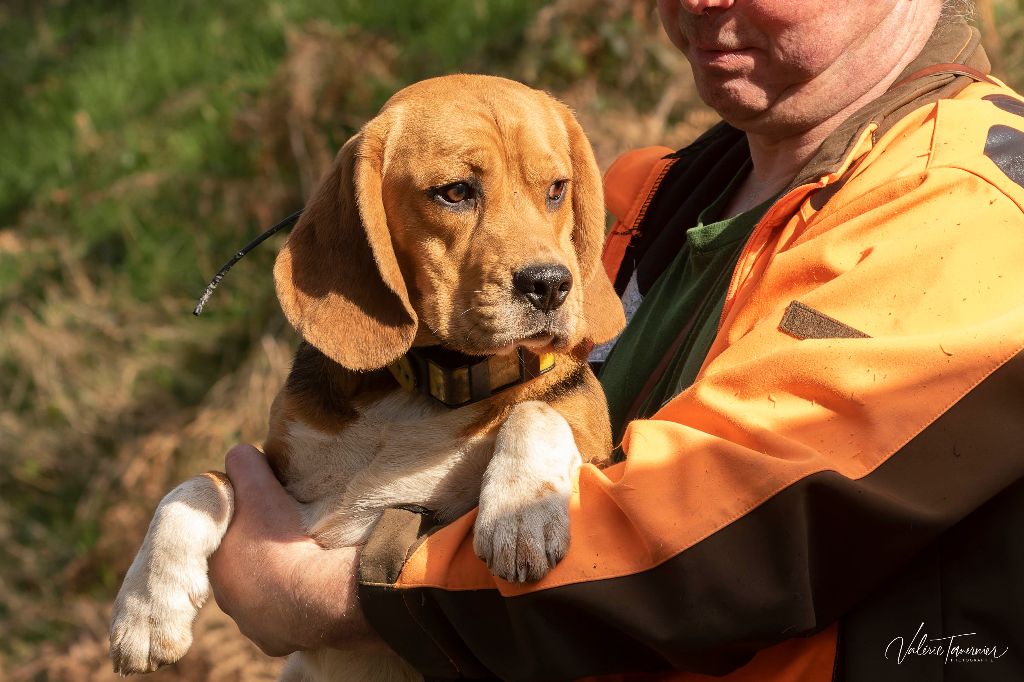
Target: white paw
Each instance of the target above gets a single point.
(522, 528)
(152, 624)
(167, 583)
(523, 545)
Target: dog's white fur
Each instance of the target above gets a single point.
(512, 454)
(526, 486)
(166, 584)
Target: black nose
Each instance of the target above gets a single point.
(545, 286)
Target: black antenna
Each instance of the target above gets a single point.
(287, 222)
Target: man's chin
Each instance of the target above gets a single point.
(736, 100)
(775, 121)
(752, 109)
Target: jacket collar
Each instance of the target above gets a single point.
(952, 42)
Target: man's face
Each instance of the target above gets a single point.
(772, 66)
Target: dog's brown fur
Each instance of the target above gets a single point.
(379, 263)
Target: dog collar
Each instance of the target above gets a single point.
(456, 379)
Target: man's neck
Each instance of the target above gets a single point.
(776, 161)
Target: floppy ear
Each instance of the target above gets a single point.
(337, 277)
(602, 309)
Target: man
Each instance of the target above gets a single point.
(824, 480)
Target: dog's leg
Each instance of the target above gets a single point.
(522, 528)
(167, 583)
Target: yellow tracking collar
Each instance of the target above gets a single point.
(456, 379)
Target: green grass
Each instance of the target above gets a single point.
(139, 148)
(103, 93)
(127, 176)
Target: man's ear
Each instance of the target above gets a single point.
(337, 277)
(602, 309)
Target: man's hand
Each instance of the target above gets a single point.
(285, 592)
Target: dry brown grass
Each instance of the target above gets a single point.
(84, 396)
(82, 366)
(628, 85)
(220, 654)
(121, 496)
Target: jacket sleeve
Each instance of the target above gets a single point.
(863, 395)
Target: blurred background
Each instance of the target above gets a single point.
(142, 142)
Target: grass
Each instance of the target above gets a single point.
(142, 143)
(123, 112)
(127, 178)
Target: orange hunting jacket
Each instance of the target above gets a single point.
(848, 465)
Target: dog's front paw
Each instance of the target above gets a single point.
(522, 528)
(167, 584)
(151, 627)
(523, 544)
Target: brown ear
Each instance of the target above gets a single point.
(602, 309)
(337, 277)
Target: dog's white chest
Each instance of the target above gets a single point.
(402, 449)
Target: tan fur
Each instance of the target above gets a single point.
(363, 275)
(376, 265)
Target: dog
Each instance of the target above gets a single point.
(446, 281)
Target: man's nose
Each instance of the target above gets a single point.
(700, 6)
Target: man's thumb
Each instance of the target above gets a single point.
(256, 486)
(247, 468)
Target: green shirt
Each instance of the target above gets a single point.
(664, 345)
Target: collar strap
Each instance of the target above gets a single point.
(952, 69)
(456, 379)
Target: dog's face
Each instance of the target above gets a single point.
(478, 200)
(467, 213)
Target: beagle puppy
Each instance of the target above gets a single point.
(446, 281)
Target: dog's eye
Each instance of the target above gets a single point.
(455, 193)
(557, 190)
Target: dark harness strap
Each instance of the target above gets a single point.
(955, 69)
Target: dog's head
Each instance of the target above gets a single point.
(467, 213)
